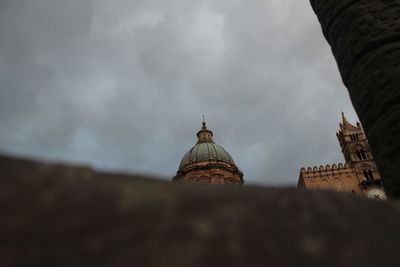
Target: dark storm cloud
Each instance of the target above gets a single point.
(123, 84)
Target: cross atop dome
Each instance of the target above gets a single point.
(204, 124)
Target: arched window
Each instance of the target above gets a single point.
(368, 175)
(354, 137)
(358, 154)
(365, 174)
(361, 154)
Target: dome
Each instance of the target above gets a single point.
(206, 152)
(208, 163)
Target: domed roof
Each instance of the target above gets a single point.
(208, 163)
(206, 151)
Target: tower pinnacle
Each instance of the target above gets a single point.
(345, 122)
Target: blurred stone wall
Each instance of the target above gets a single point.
(58, 215)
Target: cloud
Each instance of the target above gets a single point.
(123, 84)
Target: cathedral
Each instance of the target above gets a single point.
(358, 175)
(208, 163)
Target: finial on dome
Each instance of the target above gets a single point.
(204, 135)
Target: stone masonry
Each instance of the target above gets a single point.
(365, 39)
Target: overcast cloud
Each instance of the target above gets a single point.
(123, 84)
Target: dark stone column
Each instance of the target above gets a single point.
(365, 39)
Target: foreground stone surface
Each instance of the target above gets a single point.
(56, 215)
(365, 39)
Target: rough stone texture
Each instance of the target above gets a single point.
(365, 40)
(57, 215)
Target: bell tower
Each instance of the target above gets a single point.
(357, 154)
(358, 175)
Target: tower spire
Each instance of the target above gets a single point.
(345, 122)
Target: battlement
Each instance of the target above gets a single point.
(326, 168)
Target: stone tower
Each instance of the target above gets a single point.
(357, 153)
(358, 175)
(208, 163)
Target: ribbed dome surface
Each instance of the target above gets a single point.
(206, 152)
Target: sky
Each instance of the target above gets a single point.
(122, 85)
